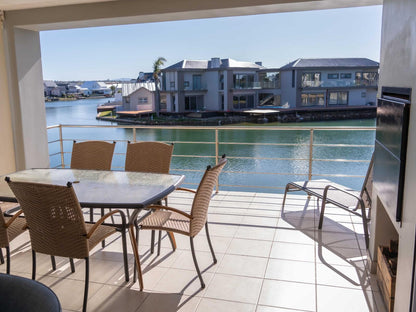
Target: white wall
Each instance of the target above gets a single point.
(398, 69)
(288, 93)
(211, 99)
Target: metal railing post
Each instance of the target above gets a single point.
(310, 154)
(216, 157)
(61, 142)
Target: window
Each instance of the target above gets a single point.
(312, 99)
(311, 79)
(163, 104)
(172, 84)
(333, 76)
(221, 82)
(142, 100)
(196, 82)
(269, 80)
(338, 98)
(194, 103)
(243, 101)
(186, 84)
(345, 75)
(366, 78)
(243, 81)
(269, 99)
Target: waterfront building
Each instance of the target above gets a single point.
(97, 87)
(329, 82)
(137, 96)
(230, 85)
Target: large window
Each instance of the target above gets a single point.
(333, 76)
(312, 99)
(196, 82)
(366, 78)
(243, 101)
(338, 98)
(194, 103)
(269, 80)
(311, 79)
(243, 81)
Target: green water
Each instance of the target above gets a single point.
(242, 170)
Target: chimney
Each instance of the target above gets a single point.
(259, 63)
(215, 62)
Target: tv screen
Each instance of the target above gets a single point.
(390, 153)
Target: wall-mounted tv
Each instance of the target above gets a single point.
(393, 110)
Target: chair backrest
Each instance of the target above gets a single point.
(93, 155)
(203, 196)
(152, 157)
(54, 218)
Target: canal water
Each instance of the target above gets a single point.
(244, 171)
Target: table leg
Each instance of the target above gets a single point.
(136, 255)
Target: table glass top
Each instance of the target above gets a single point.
(102, 188)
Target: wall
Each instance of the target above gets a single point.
(398, 69)
(288, 93)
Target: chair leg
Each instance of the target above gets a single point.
(137, 244)
(71, 262)
(152, 242)
(33, 264)
(321, 217)
(126, 263)
(196, 263)
(53, 263)
(209, 243)
(159, 243)
(87, 276)
(8, 259)
(1, 256)
(103, 241)
(284, 197)
(172, 240)
(365, 224)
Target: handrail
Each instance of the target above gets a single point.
(306, 146)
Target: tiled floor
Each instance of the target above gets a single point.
(268, 261)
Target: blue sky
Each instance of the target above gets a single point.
(275, 39)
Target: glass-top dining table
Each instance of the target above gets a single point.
(104, 189)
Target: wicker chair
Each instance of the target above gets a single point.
(154, 157)
(341, 196)
(10, 228)
(56, 224)
(174, 220)
(92, 155)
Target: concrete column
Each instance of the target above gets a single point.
(7, 159)
(26, 98)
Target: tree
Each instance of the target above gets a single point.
(156, 76)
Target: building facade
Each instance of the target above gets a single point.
(329, 82)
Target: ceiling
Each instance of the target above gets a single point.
(9, 5)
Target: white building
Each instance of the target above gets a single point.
(97, 87)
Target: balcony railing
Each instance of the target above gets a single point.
(261, 159)
(339, 83)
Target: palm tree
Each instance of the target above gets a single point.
(156, 72)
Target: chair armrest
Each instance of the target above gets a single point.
(157, 207)
(185, 189)
(328, 187)
(102, 219)
(16, 215)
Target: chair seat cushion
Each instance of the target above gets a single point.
(316, 188)
(167, 220)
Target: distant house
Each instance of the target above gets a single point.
(51, 88)
(138, 96)
(145, 77)
(97, 87)
(217, 85)
(329, 82)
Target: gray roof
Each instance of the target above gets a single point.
(330, 62)
(205, 64)
(129, 88)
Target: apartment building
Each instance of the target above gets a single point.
(329, 82)
(217, 85)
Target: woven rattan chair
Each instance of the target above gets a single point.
(339, 195)
(174, 220)
(92, 155)
(10, 228)
(56, 224)
(154, 157)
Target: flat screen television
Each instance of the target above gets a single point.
(390, 151)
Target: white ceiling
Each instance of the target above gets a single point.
(9, 5)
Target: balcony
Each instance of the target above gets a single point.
(268, 259)
(340, 84)
(200, 87)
